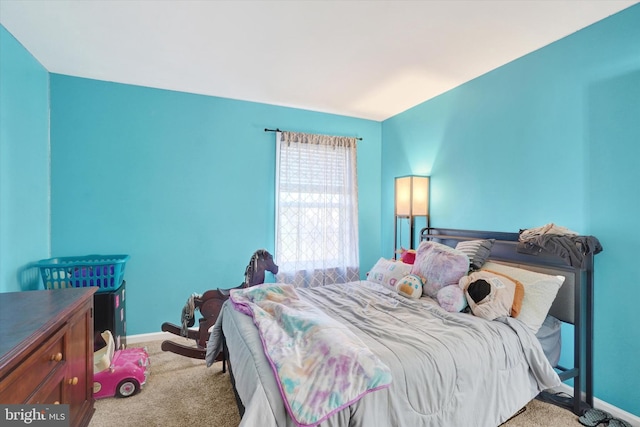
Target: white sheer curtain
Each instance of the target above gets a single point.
(316, 209)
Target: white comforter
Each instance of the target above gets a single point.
(448, 369)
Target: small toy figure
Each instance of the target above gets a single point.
(408, 256)
(119, 373)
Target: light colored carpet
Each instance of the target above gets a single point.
(183, 392)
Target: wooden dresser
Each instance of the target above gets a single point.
(46, 350)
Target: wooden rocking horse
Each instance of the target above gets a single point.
(209, 304)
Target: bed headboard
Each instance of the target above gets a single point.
(573, 303)
(504, 251)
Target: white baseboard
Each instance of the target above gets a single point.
(601, 404)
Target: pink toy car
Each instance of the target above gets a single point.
(119, 373)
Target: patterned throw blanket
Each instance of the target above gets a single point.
(320, 364)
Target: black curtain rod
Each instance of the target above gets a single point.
(278, 130)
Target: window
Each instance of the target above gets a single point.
(316, 209)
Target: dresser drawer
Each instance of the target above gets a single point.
(52, 391)
(48, 360)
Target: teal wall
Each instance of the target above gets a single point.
(24, 164)
(182, 183)
(551, 137)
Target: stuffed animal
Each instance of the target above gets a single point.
(491, 295)
(410, 286)
(408, 256)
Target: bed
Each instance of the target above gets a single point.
(445, 368)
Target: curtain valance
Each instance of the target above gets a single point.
(311, 138)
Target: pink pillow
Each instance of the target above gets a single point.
(452, 298)
(439, 265)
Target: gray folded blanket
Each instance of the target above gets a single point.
(571, 248)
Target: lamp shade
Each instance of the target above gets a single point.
(412, 196)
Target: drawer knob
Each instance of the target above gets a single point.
(56, 357)
(72, 381)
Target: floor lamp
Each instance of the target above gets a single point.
(411, 200)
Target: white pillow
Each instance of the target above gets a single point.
(539, 292)
(387, 272)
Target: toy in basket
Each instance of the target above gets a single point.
(105, 272)
(119, 373)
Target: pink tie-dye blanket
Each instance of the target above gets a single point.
(321, 366)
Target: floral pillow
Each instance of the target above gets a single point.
(387, 272)
(439, 266)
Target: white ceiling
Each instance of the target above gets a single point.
(367, 59)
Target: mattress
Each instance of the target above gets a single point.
(447, 368)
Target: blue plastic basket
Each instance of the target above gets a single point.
(105, 272)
